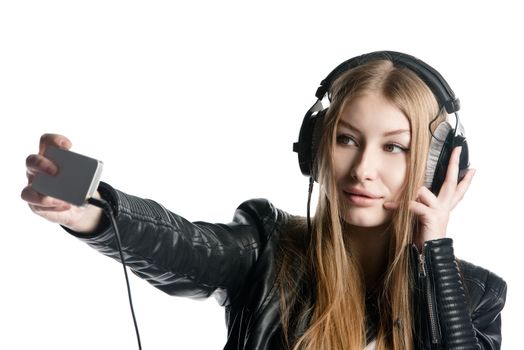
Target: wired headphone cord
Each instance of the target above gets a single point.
(104, 205)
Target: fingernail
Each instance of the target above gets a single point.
(457, 155)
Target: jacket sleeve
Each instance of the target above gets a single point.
(183, 258)
(468, 302)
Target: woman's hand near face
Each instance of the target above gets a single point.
(80, 219)
(433, 211)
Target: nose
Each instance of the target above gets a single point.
(365, 164)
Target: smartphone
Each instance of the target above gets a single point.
(77, 179)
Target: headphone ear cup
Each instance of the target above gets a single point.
(308, 141)
(315, 141)
(442, 145)
(464, 158)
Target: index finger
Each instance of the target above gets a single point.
(450, 183)
(56, 140)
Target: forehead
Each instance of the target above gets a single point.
(372, 112)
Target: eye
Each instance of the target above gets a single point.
(346, 140)
(394, 148)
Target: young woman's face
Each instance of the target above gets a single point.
(372, 140)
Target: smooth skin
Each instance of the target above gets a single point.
(371, 154)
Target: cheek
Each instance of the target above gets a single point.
(396, 178)
(342, 164)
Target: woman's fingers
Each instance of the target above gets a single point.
(36, 163)
(419, 209)
(56, 140)
(42, 209)
(36, 199)
(436, 209)
(449, 186)
(425, 196)
(432, 211)
(453, 191)
(462, 187)
(391, 205)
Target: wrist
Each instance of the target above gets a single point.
(89, 219)
(94, 219)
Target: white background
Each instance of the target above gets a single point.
(196, 105)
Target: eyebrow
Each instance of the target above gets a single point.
(387, 133)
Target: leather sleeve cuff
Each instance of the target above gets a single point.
(450, 295)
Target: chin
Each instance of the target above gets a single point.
(366, 217)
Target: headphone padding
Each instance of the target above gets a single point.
(436, 145)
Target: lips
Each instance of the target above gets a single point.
(361, 192)
(361, 198)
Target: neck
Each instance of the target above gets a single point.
(370, 245)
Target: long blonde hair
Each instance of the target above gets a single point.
(332, 315)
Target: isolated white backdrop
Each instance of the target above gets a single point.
(196, 104)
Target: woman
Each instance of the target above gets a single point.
(372, 269)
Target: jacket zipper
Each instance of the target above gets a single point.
(430, 299)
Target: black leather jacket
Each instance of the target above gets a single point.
(459, 308)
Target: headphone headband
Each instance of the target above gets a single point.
(438, 85)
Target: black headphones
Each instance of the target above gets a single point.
(444, 139)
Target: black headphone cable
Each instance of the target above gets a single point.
(106, 207)
(310, 191)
